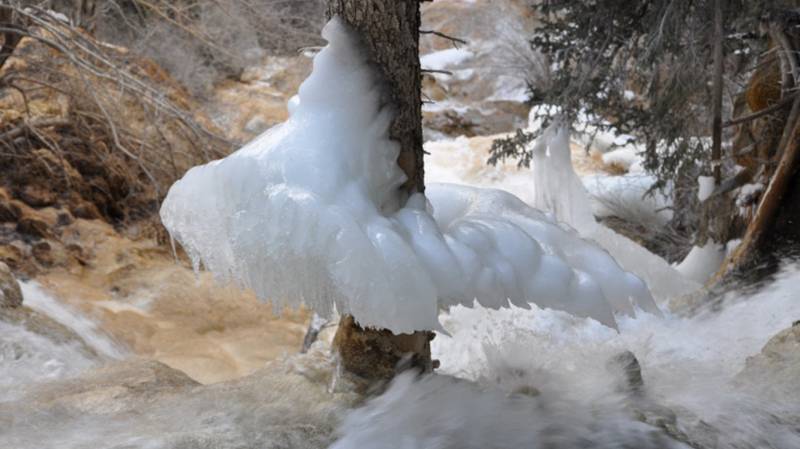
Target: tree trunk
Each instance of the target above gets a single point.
(772, 232)
(716, 148)
(390, 33)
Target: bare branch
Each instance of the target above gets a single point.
(452, 39)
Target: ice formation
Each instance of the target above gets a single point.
(702, 262)
(310, 212)
(558, 188)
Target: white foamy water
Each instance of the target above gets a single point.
(38, 299)
(689, 366)
(28, 357)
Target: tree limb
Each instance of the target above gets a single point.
(452, 39)
(766, 111)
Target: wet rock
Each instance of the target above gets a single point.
(490, 118)
(776, 368)
(115, 388)
(34, 227)
(286, 404)
(631, 371)
(10, 293)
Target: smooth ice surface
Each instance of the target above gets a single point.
(310, 212)
(702, 261)
(558, 189)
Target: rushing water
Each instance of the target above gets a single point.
(509, 379)
(27, 357)
(544, 379)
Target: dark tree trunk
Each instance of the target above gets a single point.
(773, 232)
(716, 148)
(390, 33)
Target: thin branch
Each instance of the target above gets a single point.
(452, 39)
(766, 111)
(444, 72)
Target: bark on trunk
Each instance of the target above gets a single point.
(390, 33)
(716, 148)
(772, 233)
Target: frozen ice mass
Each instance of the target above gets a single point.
(310, 212)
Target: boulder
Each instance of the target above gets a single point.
(776, 368)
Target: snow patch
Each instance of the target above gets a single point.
(442, 59)
(626, 157)
(705, 187)
(702, 262)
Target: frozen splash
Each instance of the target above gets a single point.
(543, 379)
(557, 188)
(311, 212)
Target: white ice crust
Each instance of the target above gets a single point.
(310, 213)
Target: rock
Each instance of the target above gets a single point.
(42, 253)
(627, 363)
(7, 212)
(34, 227)
(12, 255)
(86, 210)
(10, 293)
(37, 196)
(116, 388)
(776, 368)
(64, 218)
(138, 403)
